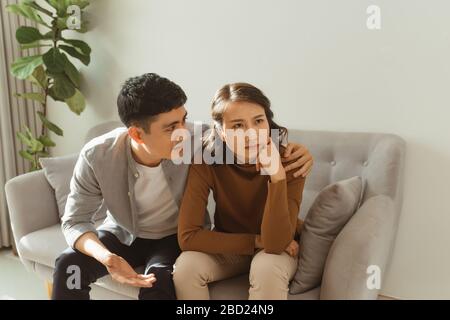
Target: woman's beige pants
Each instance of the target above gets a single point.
(269, 279)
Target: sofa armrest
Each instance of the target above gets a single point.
(31, 203)
(366, 240)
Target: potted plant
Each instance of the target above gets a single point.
(52, 74)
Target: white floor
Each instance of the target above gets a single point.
(16, 282)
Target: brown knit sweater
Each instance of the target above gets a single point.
(247, 204)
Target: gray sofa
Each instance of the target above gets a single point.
(367, 239)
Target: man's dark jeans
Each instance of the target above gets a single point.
(158, 257)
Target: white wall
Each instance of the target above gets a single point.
(322, 68)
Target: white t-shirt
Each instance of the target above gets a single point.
(156, 208)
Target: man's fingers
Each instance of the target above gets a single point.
(307, 172)
(146, 276)
(304, 170)
(136, 282)
(299, 161)
(288, 150)
(295, 154)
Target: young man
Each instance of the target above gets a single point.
(130, 171)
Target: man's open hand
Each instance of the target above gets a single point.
(123, 273)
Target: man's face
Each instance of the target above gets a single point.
(158, 141)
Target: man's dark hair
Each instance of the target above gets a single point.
(146, 96)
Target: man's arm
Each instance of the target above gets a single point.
(83, 201)
(119, 268)
(79, 230)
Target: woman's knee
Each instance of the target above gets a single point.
(266, 266)
(188, 266)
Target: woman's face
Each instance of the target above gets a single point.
(245, 129)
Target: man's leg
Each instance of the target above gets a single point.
(160, 261)
(72, 264)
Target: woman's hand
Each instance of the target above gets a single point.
(292, 248)
(269, 162)
(258, 242)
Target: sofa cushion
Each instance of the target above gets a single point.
(44, 246)
(59, 172)
(330, 211)
(235, 288)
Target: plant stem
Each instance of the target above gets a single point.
(44, 107)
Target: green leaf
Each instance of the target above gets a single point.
(60, 6)
(46, 141)
(32, 45)
(81, 45)
(39, 78)
(49, 125)
(77, 103)
(84, 27)
(81, 3)
(28, 133)
(61, 23)
(36, 146)
(25, 35)
(52, 94)
(49, 35)
(26, 11)
(24, 139)
(22, 68)
(72, 72)
(85, 59)
(34, 5)
(62, 88)
(26, 155)
(54, 60)
(40, 97)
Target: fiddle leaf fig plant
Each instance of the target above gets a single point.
(52, 73)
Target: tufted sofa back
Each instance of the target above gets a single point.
(377, 158)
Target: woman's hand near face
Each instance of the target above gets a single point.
(269, 162)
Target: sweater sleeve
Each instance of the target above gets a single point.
(279, 223)
(191, 234)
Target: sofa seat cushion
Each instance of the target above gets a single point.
(45, 245)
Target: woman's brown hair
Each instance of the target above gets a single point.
(240, 92)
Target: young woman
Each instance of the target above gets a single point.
(257, 204)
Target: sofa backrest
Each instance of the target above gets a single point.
(378, 158)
